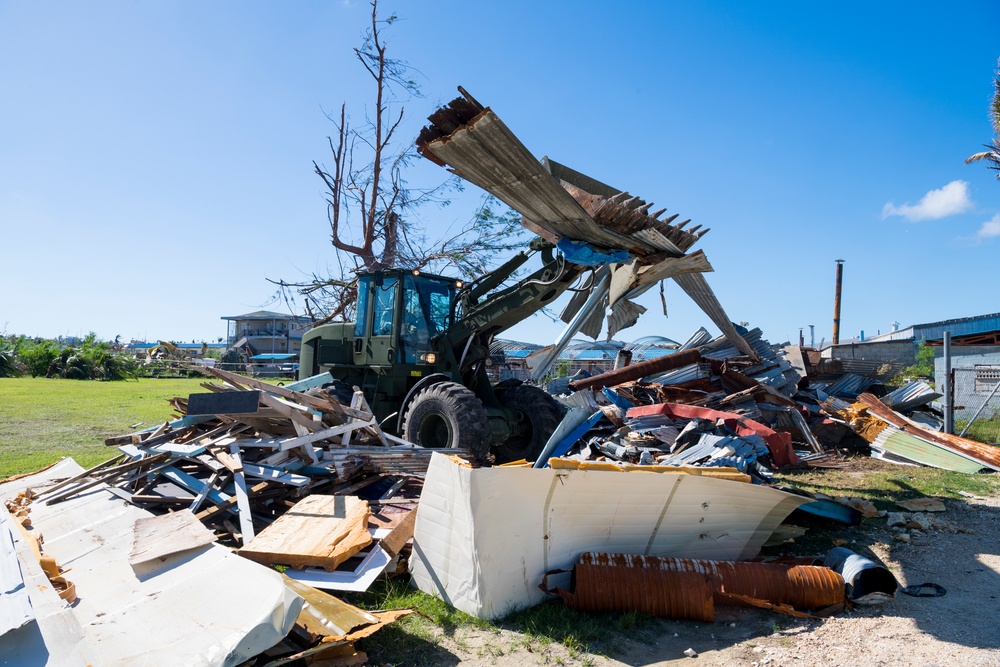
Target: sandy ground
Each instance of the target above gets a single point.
(959, 629)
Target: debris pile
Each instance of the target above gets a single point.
(244, 453)
(125, 570)
(708, 405)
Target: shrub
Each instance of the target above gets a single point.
(36, 356)
(8, 367)
(923, 368)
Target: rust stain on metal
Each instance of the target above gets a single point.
(639, 370)
(988, 455)
(690, 589)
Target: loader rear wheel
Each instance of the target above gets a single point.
(540, 415)
(448, 414)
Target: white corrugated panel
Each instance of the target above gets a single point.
(201, 607)
(485, 537)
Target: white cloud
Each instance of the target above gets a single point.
(952, 199)
(990, 228)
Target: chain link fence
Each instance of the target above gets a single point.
(977, 402)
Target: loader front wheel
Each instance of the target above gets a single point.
(448, 414)
(539, 414)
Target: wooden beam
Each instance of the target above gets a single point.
(225, 506)
(242, 499)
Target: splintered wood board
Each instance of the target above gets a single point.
(319, 531)
(159, 536)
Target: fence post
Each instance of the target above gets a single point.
(949, 387)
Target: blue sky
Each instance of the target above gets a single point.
(156, 158)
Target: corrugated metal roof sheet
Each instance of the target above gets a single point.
(963, 326)
(201, 607)
(987, 455)
(911, 395)
(900, 444)
(479, 147)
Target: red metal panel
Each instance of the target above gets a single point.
(779, 444)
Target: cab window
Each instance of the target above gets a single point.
(361, 316)
(385, 307)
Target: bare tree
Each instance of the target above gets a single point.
(372, 210)
(992, 153)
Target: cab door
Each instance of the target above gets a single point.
(379, 349)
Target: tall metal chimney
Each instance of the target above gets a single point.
(836, 302)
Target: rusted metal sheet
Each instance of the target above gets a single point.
(897, 446)
(471, 140)
(555, 201)
(689, 589)
(780, 444)
(636, 371)
(988, 455)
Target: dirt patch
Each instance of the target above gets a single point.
(957, 629)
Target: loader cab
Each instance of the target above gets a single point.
(399, 313)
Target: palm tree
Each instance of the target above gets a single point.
(992, 154)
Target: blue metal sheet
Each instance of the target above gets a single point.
(964, 326)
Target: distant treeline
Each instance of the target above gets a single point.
(88, 359)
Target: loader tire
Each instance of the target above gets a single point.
(541, 415)
(448, 414)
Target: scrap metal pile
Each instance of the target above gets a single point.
(703, 405)
(706, 405)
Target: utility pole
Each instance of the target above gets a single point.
(836, 302)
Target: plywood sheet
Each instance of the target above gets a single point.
(320, 531)
(160, 536)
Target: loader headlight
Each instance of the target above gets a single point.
(428, 358)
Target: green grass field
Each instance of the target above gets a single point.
(43, 420)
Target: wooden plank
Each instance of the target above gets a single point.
(400, 534)
(289, 392)
(320, 531)
(222, 456)
(110, 463)
(106, 475)
(242, 499)
(203, 494)
(226, 505)
(276, 475)
(291, 412)
(145, 439)
(159, 536)
(331, 432)
(192, 484)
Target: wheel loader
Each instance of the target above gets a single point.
(420, 350)
(421, 344)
